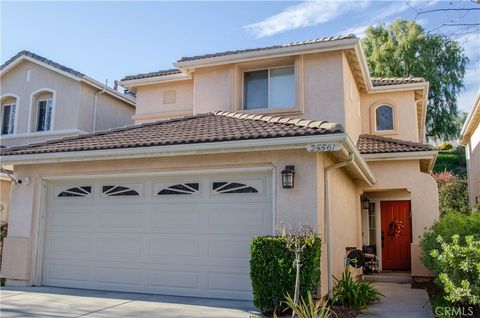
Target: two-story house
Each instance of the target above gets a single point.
(228, 146)
(470, 138)
(42, 100)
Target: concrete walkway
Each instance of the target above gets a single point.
(400, 301)
(65, 302)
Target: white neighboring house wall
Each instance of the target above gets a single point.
(27, 81)
(470, 137)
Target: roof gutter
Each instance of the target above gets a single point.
(468, 121)
(154, 80)
(270, 144)
(108, 90)
(268, 53)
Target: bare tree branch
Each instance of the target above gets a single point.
(448, 9)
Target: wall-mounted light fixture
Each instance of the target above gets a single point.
(365, 203)
(288, 177)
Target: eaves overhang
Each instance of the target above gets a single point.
(255, 145)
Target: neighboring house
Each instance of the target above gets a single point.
(43, 100)
(470, 137)
(170, 205)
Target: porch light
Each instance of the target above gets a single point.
(365, 203)
(288, 179)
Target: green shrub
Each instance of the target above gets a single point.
(452, 192)
(309, 308)
(449, 224)
(446, 146)
(272, 271)
(354, 294)
(459, 269)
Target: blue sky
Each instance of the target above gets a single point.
(108, 40)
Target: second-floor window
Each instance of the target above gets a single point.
(44, 115)
(269, 88)
(384, 120)
(8, 119)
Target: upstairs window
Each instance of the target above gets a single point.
(269, 88)
(44, 115)
(8, 119)
(384, 118)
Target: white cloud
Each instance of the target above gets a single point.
(471, 45)
(305, 14)
(378, 17)
(472, 86)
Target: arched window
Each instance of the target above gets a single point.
(42, 110)
(8, 114)
(384, 118)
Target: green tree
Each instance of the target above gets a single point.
(405, 49)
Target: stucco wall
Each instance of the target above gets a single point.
(406, 175)
(473, 157)
(352, 108)
(111, 112)
(405, 110)
(294, 206)
(214, 89)
(66, 97)
(345, 217)
(150, 101)
(5, 190)
(72, 104)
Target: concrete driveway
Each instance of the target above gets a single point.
(66, 302)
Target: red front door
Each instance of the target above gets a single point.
(396, 234)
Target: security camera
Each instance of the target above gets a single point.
(25, 180)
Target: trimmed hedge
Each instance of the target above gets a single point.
(272, 270)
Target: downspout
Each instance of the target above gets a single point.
(328, 232)
(95, 98)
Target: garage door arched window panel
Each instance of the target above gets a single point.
(241, 186)
(188, 188)
(76, 191)
(119, 190)
(384, 118)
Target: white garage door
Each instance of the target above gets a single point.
(179, 236)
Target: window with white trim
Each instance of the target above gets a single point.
(44, 115)
(384, 118)
(8, 119)
(269, 88)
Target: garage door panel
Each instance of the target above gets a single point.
(173, 245)
(63, 274)
(229, 249)
(174, 215)
(118, 248)
(73, 247)
(118, 276)
(120, 218)
(218, 281)
(73, 218)
(174, 278)
(156, 240)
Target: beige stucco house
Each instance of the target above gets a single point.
(170, 205)
(470, 138)
(43, 100)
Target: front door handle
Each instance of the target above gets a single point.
(383, 238)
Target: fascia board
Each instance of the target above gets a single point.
(269, 53)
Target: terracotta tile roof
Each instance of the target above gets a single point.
(151, 74)
(300, 43)
(206, 128)
(44, 60)
(385, 81)
(369, 144)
